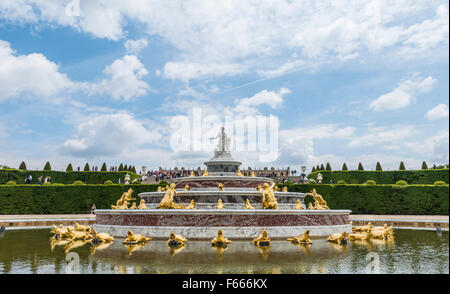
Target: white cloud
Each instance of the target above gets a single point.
(404, 94)
(248, 106)
(135, 46)
(382, 136)
(189, 70)
(106, 135)
(124, 79)
(438, 112)
(33, 75)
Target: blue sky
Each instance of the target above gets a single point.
(364, 81)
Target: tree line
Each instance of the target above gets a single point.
(121, 167)
(377, 167)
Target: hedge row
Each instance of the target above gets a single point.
(67, 199)
(382, 199)
(361, 199)
(413, 177)
(62, 177)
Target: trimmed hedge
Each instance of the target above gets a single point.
(382, 199)
(67, 199)
(416, 177)
(63, 177)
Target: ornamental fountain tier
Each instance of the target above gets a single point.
(222, 180)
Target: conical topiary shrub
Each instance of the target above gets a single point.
(378, 167)
(47, 166)
(344, 167)
(402, 166)
(23, 166)
(120, 167)
(69, 168)
(328, 166)
(86, 167)
(360, 166)
(424, 165)
(103, 167)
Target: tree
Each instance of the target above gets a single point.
(86, 167)
(134, 169)
(344, 167)
(424, 165)
(69, 168)
(120, 167)
(328, 166)
(378, 167)
(125, 168)
(313, 169)
(47, 166)
(23, 166)
(103, 167)
(322, 167)
(317, 168)
(360, 166)
(402, 166)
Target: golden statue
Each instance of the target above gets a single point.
(163, 189)
(220, 187)
(82, 228)
(275, 188)
(389, 230)
(167, 187)
(167, 202)
(365, 228)
(78, 235)
(318, 199)
(220, 204)
(126, 196)
(239, 173)
(318, 206)
(285, 189)
(205, 174)
(252, 174)
(159, 189)
(338, 238)
(301, 239)
(220, 240)
(262, 240)
(187, 188)
(359, 236)
(133, 206)
(101, 237)
(122, 206)
(248, 205)
(258, 188)
(176, 240)
(60, 232)
(192, 174)
(269, 200)
(379, 234)
(142, 205)
(298, 204)
(135, 238)
(191, 205)
(310, 206)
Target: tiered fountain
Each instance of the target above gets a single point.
(222, 180)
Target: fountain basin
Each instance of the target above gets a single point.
(235, 223)
(228, 181)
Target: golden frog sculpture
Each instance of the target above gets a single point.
(258, 188)
(142, 205)
(220, 187)
(379, 234)
(269, 201)
(360, 236)
(191, 205)
(79, 235)
(82, 228)
(167, 202)
(285, 189)
(318, 199)
(301, 239)
(135, 238)
(262, 240)
(365, 228)
(220, 240)
(101, 237)
(60, 232)
(133, 206)
(340, 239)
(187, 188)
(248, 204)
(176, 240)
(389, 230)
(220, 204)
(298, 204)
(206, 173)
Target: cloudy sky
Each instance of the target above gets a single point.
(101, 80)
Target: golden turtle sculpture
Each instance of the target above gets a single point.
(301, 239)
(220, 240)
(340, 239)
(262, 240)
(135, 238)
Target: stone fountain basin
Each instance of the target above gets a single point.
(213, 181)
(235, 223)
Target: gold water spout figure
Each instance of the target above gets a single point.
(186, 188)
(275, 188)
(142, 205)
(262, 240)
(122, 206)
(252, 174)
(176, 240)
(60, 232)
(159, 189)
(133, 206)
(359, 236)
(301, 239)
(135, 238)
(101, 237)
(220, 204)
(220, 187)
(191, 205)
(365, 228)
(322, 204)
(206, 173)
(340, 239)
(298, 205)
(248, 205)
(258, 188)
(192, 174)
(167, 202)
(310, 206)
(318, 206)
(239, 173)
(220, 240)
(285, 189)
(82, 228)
(269, 201)
(78, 235)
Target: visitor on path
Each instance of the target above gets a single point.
(93, 208)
